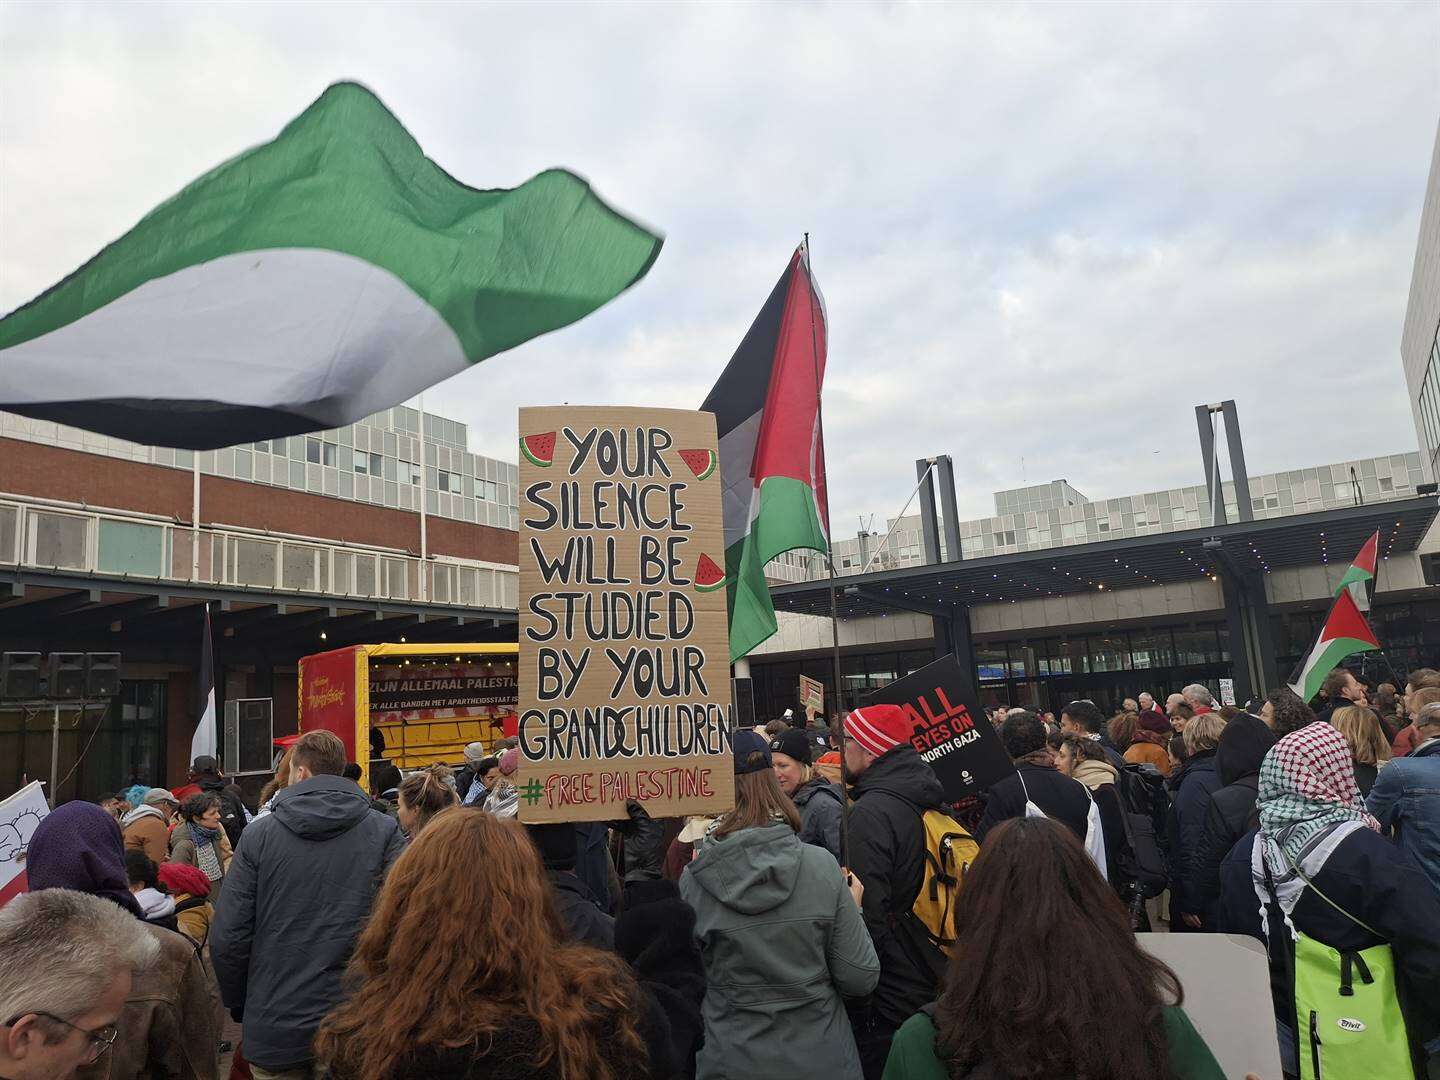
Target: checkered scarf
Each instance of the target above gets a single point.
(1307, 786)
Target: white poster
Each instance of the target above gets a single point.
(19, 815)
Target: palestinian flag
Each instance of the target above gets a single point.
(772, 466)
(1360, 578)
(308, 283)
(1345, 633)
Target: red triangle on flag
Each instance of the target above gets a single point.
(1365, 560)
(1346, 621)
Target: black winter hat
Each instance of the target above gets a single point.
(556, 844)
(793, 744)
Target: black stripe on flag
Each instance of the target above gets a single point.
(740, 391)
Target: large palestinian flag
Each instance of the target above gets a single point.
(1345, 633)
(310, 282)
(772, 466)
(1359, 579)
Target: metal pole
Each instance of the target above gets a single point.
(424, 539)
(195, 515)
(55, 758)
(829, 560)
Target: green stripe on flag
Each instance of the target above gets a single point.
(787, 519)
(1353, 575)
(500, 266)
(1328, 655)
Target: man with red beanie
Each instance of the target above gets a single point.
(892, 787)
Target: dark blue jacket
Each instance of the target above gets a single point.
(582, 917)
(1192, 787)
(1377, 883)
(821, 805)
(297, 893)
(1406, 797)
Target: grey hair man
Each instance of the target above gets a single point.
(1147, 701)
(66, 962)
(1198, 698)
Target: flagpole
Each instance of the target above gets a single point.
(830, 563)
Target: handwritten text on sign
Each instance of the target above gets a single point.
(624, 665)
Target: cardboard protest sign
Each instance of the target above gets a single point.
(624, 677)
(812, 696)
(19, 814)
(951, 731)
(1227, 996)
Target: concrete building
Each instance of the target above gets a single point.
(1420, 340)
(299, 545)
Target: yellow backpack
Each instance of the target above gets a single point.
(949, 851)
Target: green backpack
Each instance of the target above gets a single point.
(1347, 1016)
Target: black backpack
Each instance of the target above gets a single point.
(1143, 805)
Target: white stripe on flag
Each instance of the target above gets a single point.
(202, 744)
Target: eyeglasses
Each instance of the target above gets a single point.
(101, 1039)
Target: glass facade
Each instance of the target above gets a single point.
(1045, 672)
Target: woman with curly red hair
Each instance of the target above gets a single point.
(469, 975)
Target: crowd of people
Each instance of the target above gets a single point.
(418, 929)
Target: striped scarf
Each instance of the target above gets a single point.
(206, 855)
(1307, 786)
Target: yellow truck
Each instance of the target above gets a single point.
(411, 704)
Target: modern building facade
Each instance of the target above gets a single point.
(1059, 596)
(1420, 339)
(387, 529)
(1056, 515)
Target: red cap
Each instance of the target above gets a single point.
(182, 877)
(878, 728)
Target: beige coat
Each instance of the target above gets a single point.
(149, 833)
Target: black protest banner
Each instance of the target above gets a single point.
(951, 732)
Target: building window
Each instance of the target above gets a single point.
(9, 515)
(128, 547)
(252, 562)
(59, 540)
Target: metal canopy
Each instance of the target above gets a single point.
(44, 610)
(1328, 536)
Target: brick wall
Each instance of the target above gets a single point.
(51, 472)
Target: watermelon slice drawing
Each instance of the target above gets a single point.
(701, 462)
(708, 576)
(539, 449)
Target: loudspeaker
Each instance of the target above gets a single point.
(20, 675)
(67, 675)
(742, 696)
(102, 674)
(248, 732)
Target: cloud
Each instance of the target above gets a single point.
(1044, 233)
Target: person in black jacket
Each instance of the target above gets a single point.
(1191, 786)
(1036, 780)
(468, 773)
(205, 774)
(1084, 718)
(1231, 811)
(821, 803)
(1316, 838)
(579, 909)
(892, 787)
(297, 893)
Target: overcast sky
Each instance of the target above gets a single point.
(1044, 233)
